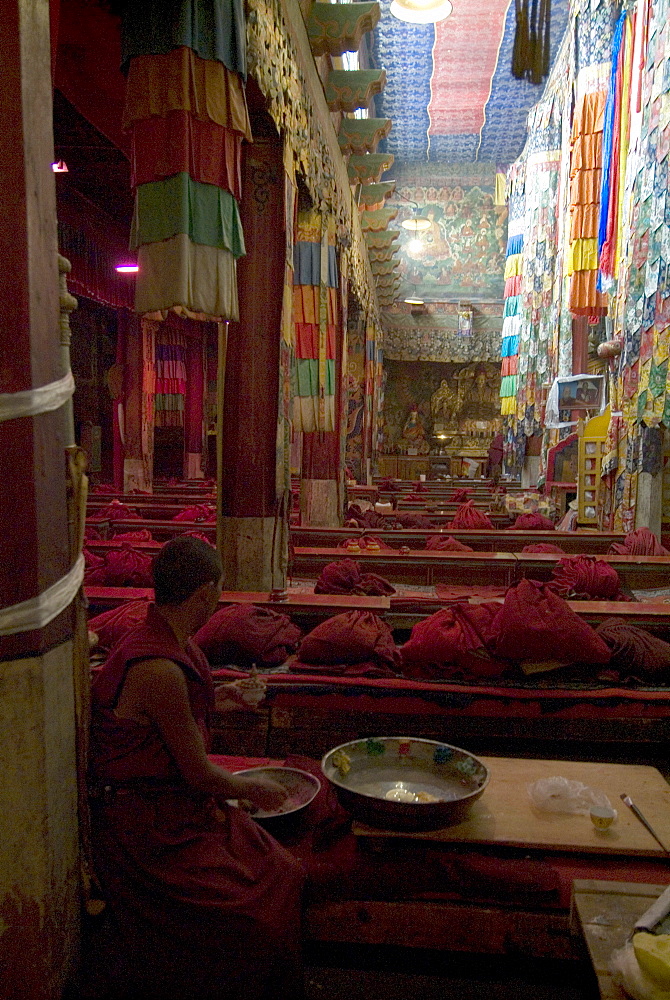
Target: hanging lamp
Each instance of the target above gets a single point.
(421, 11)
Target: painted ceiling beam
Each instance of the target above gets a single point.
(335, 28)
(350, 89)
(368, 169)
(362, 135)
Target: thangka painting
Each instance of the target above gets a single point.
(461, 255)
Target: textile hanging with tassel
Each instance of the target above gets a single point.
(315, 318)
(532, 41)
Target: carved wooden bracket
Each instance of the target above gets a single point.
(349, 89)
(369, 168)
(378, 219)
(362, 135)
(335, 28)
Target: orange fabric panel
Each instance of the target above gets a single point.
(585, 299)
(584, 221)
(586, 152)
(306, 304)
(590, 115)
(181, 81)
(585, 187)
(510, 365)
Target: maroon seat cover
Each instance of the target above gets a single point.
(92, 534)
(111, 626)
(636, 652)
(454, 642)
(460, 496)
(141, 535)
(91, 561)
(115, 511)
(197, 512)
(533, 521)
(356, 643)
(543, 547)
(345, 577)
(406, 519)
(585, 578)
(468, 516)
(445, 543)
(124, 567)
(245, 634)
(203, 901)
(641, 542)
(534, 623)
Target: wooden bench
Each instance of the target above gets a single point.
(428, 567)
(572, 542)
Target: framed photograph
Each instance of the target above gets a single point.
(581, 392)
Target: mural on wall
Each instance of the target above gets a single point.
(355, 385)
(433, 407)
(437, 332)
(461, 255)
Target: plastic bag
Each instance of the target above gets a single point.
(628, 974)
(564, 796)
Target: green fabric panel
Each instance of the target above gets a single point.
(307, 377)
(330, 378)
(168, 401)
(508, 385)
(215, 29)
(204, 212)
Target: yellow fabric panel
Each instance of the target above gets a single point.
(513, 265)
(500, 195)
(181, 80)
(507, 405)
(176, 273)
(308, 229)
(582, 255)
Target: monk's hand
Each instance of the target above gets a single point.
(264, 793)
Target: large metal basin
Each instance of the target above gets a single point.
(363, 772)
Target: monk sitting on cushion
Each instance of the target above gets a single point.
(202, 902)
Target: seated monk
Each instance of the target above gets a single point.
(201, 901)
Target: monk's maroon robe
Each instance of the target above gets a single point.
(202, 901)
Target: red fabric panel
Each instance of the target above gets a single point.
(510, 365)
(306, 341)
(180, 143)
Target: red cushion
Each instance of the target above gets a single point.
(535, 624)
(244, 634)
(113, 625)
(354, 642)
(345, 577)
(468, 516)
(453, 641)
(533, 521)
(586, 578)
(445, 543)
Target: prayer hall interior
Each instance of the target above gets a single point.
(369, 298)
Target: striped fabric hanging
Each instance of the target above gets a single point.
(509, 348)
(170, 377)
(187, 115)
(585, 188)
(315, 317)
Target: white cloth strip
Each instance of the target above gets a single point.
(33, 401)
(38, 611)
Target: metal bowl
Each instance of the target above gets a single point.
(302, 788)
(365, 772)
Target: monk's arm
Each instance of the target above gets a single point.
(164, 699)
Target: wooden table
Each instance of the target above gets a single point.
(605, 913)
(505, 816)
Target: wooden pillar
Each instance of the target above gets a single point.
(193, 408)
(319, 486)
(649, 500)
(39, 879)
(253, 540)
(138, 401)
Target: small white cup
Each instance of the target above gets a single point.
(602, 817)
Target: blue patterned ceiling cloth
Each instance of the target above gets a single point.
(478, 109)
